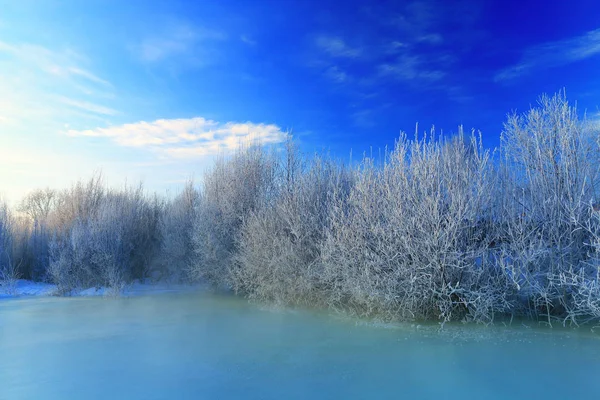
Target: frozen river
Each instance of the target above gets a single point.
(209, 346)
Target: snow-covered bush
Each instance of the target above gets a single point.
(232, 189)
(34, 233)
(279, 256)
(551, 161)
(412, 239)
(9, 267)
(109, 241)
(176, 227)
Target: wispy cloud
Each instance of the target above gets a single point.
(248, 40)
(88, 75)
(431, 38)
(336, 74)
(62, 64)
(157, 48)
(409, 67)
(87, 106)
(363, 118)
(553, 54)
(336, 47)
(408, 48)
(419, 19)
(41, 84)
(401, 62)
(177, 40)
(182, 138)
(395, 47)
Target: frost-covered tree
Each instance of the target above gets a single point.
(232, 189)
(551, 161)
(412, 240)
(8, 268)
(113, 237)
(36, 232)
(177, 229)
(279, 256)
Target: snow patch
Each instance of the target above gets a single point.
(24, 287)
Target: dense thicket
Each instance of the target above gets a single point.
(438, 228)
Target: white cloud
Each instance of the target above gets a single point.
(181, 138)
(553, 54)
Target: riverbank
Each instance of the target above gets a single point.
(26, 288)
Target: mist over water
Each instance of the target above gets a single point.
(209, 346)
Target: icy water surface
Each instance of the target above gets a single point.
(207, 346)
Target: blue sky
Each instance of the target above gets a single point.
(153, 90)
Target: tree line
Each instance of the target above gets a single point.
(438, 228)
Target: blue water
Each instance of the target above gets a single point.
(208, 346)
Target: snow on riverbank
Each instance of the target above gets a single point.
(24, 288)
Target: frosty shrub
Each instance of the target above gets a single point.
(35, 233)
(9, 267)
(412, 240)
(177, 228)
(549, 226)
(232, 189)
(109, 241)
(279, 256)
